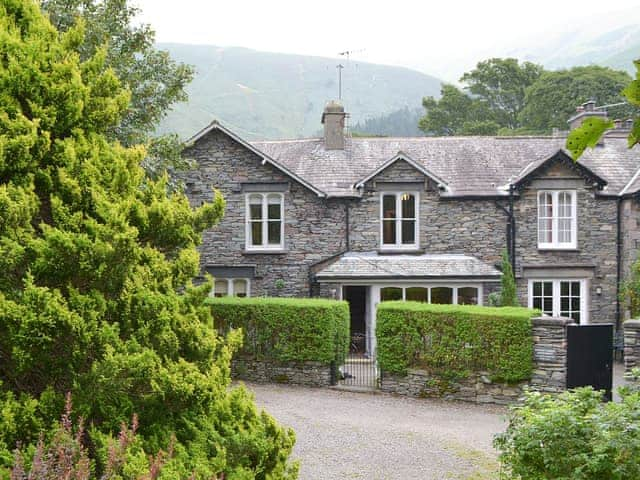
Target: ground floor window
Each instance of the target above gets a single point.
(560, 298)
(238, 287)
(467, 295)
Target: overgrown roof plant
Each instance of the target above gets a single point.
(96, 262)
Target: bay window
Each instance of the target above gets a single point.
(264, 221)
(399, 220)
(557, 219)
(463, 295)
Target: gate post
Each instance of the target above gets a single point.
(549, 353)
(631, 344)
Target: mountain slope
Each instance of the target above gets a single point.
(273, 95)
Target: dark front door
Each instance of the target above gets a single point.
(356, 296)
(590, 357)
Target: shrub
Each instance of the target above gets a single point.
(508, 294)
(572, 436)
(453, 340)
(286, 329)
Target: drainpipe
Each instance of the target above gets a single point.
(511, 229)
(346, 220)
(618, 260)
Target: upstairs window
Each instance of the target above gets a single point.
(264, 221)
(399, 220)
(557, 219)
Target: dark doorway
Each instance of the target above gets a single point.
(590, 357)
(356, 296)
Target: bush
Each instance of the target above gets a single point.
(572, 436)
(286, 329)
(454, 340)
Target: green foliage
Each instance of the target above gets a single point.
(95, 295)
(286, 329)
(154, 79)
(448, 115)
(587, 135)
(630, 290)
(553, 98)
(508, 292)
(501, 83)
(453, 340)
(399, 123)
(572, 436)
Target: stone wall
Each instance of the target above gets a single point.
(549, 337)
(476, 388)
(631, 344)
(549, 354)
(309, 374)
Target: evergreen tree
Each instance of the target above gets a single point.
(508, 294)
(96, 261)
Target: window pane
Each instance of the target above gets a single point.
(274, 232)
(443, 295)
(240, 288)
(537, 289)
(274, 207)
(256, 233)
(408, 206)
(389, 232)
(221, 288)
(547, 305)
(390, 293)
(545, 218)
(255, 211)
(468, 296)
(417, 294)
(542, 297)
(389, 206)
(545, 226)
(408, 232)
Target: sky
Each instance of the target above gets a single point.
(443, 38)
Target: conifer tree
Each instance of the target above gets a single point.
(508, 294)
(96, 262)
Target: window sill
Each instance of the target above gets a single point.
(558, 249)
(265, 251)
(400, 251)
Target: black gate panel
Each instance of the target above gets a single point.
(590, 357)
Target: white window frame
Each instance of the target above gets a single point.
(556, 291)
(264, 220)
(555, 244)
(230, 292)
(398, 245)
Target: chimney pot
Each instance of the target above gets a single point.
(584, 111)
(617, 123)
(628, 123)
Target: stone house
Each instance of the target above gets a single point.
(426, 219)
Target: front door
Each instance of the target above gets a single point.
(356, 296)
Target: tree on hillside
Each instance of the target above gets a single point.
(502, 83)
(455, 113)
(95, 294)
(155, 81)
(553, 98)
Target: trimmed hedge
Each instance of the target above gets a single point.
(454, 340)
(286, 329)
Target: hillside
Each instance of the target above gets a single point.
(400, 123)
(274, 95)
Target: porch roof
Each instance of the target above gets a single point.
(376, 266)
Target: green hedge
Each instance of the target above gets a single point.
(454, 340)
(286, 329)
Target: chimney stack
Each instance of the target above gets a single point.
(584, 111)
(333, 119)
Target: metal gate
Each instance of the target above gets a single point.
(358, 368)
(590, 357)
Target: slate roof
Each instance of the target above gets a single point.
(371, 265)
(469, 165)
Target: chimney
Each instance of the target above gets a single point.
(586, 110)
(333, 120)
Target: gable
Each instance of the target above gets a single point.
(215, 129)
(557, 171)
(402, 169)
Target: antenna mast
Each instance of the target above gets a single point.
(339, 67)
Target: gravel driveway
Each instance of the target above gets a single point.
(345, 435)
